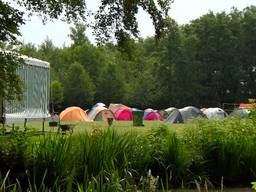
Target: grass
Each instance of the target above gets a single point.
(126, 158)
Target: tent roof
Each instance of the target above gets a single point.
(123, 115)
(246, 106)
(215, 113)
(96, 110)
(116, 106)
(153, 116)
(73, 114)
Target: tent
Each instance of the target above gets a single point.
(114, 107)
(240, 113)
(174, 116)
(123, 115)
(73, 114)
(246, 106)
(215, 113)
(163, 113)
(153, 116)
(190, 112)
(170, 109)
(100, 113)
(99, 105)
(147, 111)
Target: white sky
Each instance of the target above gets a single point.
(183, 11)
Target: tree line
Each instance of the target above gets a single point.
(208, 62)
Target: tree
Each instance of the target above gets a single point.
(118, 17)
(110, 87)
(248, 52)
(77, 34)
(219, 56)
(10, 20)
(121, 18)
(78, 87)
(57, 95)
(10, 83)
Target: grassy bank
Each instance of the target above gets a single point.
(208, 154)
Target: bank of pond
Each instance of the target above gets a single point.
(211, 154)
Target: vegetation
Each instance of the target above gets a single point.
(207, 62)
(205, 153)
(122, 24)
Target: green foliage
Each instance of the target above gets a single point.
(79, 88)
(124, 160)
(11, 85)
(224, 147)
(57, 94)
(10, 21)
(110, 85)
(207, 62)
(119, 18)
(77, 34)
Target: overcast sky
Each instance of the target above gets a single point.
(183, 11)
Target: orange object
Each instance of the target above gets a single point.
(73, 114)
(246, 106)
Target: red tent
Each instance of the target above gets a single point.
(246, 106)
(154, 116)
(123, 115)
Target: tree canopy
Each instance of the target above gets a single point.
(117, 17)
(205, 63)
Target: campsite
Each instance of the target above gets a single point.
(118, 110)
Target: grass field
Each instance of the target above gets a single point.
(81, 126)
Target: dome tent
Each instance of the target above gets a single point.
(147, 111)
(153, 116)
(214, 113)
(190, 112)
(240, 113)
(99, 105)
(73, 114)
(123, 115)
(174, 116)
(114, 107)
(170, 109)
(100, 113)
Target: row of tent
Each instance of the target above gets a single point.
(120, 112)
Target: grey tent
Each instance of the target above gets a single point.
(170, 109)
(174, 116)
(190, 112)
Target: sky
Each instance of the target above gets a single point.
(183, 11)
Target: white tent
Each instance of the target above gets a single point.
(215, 113)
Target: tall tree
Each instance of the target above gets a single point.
(248, 52)
(111, 85)
(78, 87)
(77, 34)
(57, 96)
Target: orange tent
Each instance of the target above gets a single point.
(73, 114)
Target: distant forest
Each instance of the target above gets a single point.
(210, 61)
